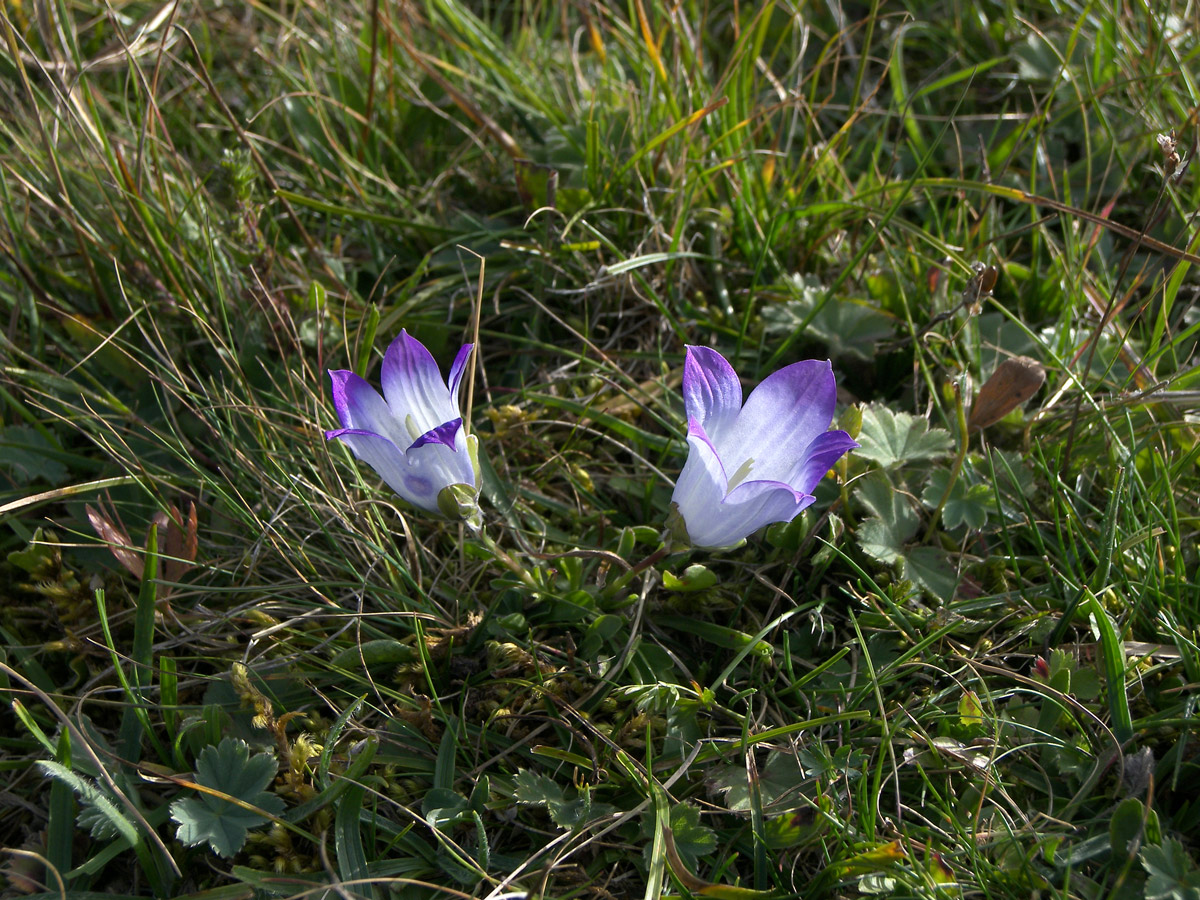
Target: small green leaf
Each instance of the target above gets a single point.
(928, 568)
(692, 840)
(27, 456)
(848, 328)
(876, 859)
(37, 558)
(850, 421)
(443, 807)
(534, 787)
(99, 814)
(572, 814)
(539, 790)
(939, 870)
(970, 712)
(890, 438)
(777, 780)
(967, 505)
(605, 628)
(379, 652)
(788, 830)
(895, 522)
(222, 824)
(877, 493)
(1173, 875)
(1126, 825)
(880, 541)
(694, 578)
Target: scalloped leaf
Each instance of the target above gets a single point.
(894, 522)
(1173, 875)
(891, 438)
(222, 824)
(967, 505)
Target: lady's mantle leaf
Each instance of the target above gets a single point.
(539, 790)
(849, 328)
(1173, 875)
(928, 568)
(967, 505)
(890, 438)
(230, 769)
(883, 536)
(692, 840)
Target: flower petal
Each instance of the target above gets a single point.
(820, 457)
(457, 369)
(360, 408)
(389, 461)
(443, 434)
(434, 465)
(413, 385)
(714, 518)
(702, 484)
(712, 394)
(750, 506)
(782, 417)
(419, 475)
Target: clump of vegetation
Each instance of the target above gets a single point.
(236, 664)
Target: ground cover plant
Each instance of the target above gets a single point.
(236, 663)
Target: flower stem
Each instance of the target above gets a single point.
(964, 440)
(507, 561)
(638, 568)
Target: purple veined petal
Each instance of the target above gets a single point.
(443, 434)
(457, 370)
(433, 466)
(712, 394)
(750, 506)
(715, 517)
(342, 432)
(782, 417)
(702, 484)
(413, 385)
(820, 457)
(389, 461)
(713, 522)
(359, 407)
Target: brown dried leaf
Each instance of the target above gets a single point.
(117, 539)
(191, 546)
(1014, 381)
(178, 542)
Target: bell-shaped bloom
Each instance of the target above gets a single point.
(413, 435)
(752, 465)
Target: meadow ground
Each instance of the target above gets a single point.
(236, 665)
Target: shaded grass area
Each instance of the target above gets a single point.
(970, 668)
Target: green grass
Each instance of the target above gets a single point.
(970, 669)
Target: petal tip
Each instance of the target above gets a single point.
(445, 434)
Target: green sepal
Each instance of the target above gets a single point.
(461, 503)
(473, 452)
(677, 528)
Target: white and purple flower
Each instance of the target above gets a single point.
(414, 438)
(752, 465)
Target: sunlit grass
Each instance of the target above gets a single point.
(970, 668)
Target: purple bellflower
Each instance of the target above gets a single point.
(413, 435)
(749, 466)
